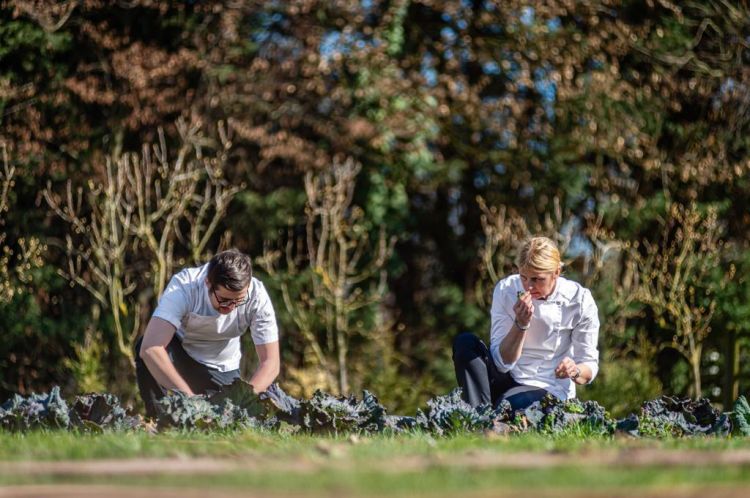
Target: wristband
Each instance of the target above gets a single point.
(520, 327)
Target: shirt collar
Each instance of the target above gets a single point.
(553, 295)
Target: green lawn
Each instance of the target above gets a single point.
(294, 465)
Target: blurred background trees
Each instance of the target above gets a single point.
(471, 124)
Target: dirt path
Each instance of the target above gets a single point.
(98, 491)
(336, 458)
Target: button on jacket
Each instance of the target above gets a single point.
(565, 324)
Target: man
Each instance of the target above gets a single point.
(192, 342)
(543, 339)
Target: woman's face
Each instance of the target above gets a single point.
(539, 283)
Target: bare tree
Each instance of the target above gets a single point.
(672, 278)
(125, 226)
(342, 271)
(51, 15)
(6, 183)
(604, 244)
(504, 229)
(15, 264)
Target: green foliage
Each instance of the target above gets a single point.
(241, 394)
(449, 414)
(616, 112)
(387, 201)
(672, 417)
(324, 413)
(35, 412)
(40, 329)
(97, 412)
(89, 413)
(678, 378)
(30, 48)
(382, 371)
(87, 364)
(199, 413)
(741, 417)
(238, 408)
(262, 217)
(622, 384)
(553, 417)
(451, 314)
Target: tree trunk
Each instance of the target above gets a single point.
(730, 389)
(695, 364)
(342, 350)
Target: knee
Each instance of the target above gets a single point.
(525, 399)
(465, 346)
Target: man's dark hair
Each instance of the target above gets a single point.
(231, 269)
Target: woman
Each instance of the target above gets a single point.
(543, 338)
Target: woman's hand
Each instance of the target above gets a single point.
(523, 309)
(567, 369)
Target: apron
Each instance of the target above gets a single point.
(214, 340)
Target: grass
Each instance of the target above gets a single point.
(63, 445)
(413, 465)
(563, 481)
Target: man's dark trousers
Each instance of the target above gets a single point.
(201, 378)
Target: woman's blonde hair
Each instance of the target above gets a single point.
(539, 254)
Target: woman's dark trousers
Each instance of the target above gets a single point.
(476, 373)
(201, 378)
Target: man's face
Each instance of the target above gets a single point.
(539, 283)
(224, 300)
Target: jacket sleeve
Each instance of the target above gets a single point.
(263, 326)
(502, 320)
(585, 335)
(174, 302)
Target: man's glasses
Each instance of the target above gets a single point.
(229, 302)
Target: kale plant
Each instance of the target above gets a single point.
(180, 411)
(280, 405)
(324, 413)
(450, 414)
(47, 411)
(676, 417)
(238, 407)
(235, 406)
(186, 412)
(741, 417)
(241, 395)
(399, 423)
(552, 416)
(95, 412)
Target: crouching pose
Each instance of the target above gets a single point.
(543, 337)
(192, 342)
